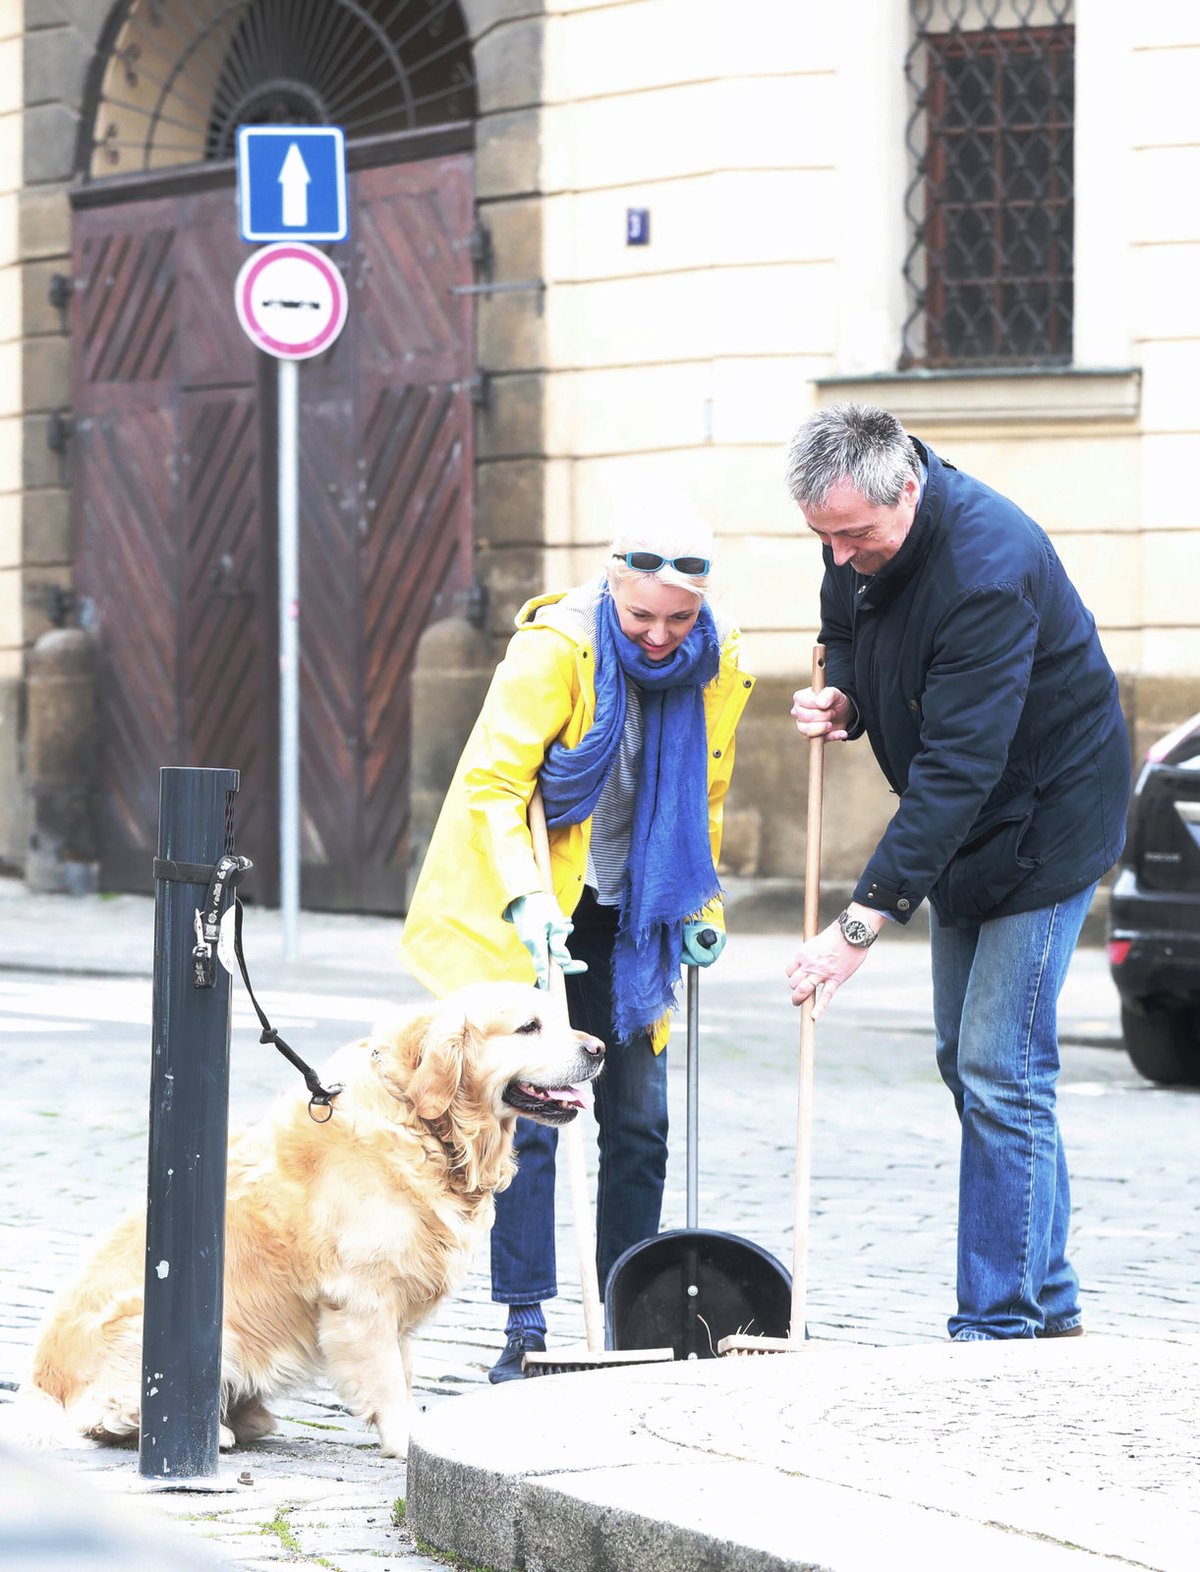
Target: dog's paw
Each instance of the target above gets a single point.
(251, 1422)
(226, 1439)
(393, 1434)
(34, 1420)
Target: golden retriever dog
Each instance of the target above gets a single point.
(340, 1237)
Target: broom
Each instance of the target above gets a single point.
(740, 1343)
(595, 1356)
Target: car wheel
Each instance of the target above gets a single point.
(1164, 1043)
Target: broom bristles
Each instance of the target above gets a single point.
(564, 1360)
(739, 1345)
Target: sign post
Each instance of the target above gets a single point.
(288, 401)
(291, 302)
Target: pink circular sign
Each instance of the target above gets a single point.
(291, 300)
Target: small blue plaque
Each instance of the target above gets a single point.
(637, 226)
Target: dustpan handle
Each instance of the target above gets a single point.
(693, 1093)
(707, 937)
(570, 1136)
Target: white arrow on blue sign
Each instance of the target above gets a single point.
(292, 183)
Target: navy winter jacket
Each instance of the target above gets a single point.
(979, 678)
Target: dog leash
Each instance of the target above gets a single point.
(319, 1096)
(220, 883)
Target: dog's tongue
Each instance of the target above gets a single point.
(580, 1096)
(569, 1096)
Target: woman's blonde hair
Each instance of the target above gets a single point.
(672, 529)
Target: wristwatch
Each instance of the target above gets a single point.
(856, 932)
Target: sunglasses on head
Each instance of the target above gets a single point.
(650, 562)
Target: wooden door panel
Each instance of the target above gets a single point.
(330, 634)
(166, 483)
(415, 223)
(176, 526)
(227, 615)
(125, 572)
(415, 424)
(212, 349)
(125, 303)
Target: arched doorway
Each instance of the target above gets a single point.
(173, 491)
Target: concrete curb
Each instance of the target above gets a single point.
(847, 1458)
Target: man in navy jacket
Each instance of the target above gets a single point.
(957, 643)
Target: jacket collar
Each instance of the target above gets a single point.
(926, 527)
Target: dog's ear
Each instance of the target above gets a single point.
(446, 1087)
(438, 1074)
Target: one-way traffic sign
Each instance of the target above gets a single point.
(292, 183)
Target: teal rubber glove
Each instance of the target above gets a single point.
(702, 943)
(541, 926)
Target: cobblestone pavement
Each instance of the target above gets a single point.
(883, 1190)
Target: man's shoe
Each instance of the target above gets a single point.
(1066, 1331)
(518, 1344)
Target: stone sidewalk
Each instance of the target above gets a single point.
(878, 1445)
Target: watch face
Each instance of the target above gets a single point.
(856, 931)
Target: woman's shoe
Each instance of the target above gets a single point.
(509, 1365)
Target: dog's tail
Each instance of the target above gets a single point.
(36, 1420)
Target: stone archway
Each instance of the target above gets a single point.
(167, 89)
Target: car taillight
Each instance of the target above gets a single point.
(1118, 951)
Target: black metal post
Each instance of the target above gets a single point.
(189, 1117)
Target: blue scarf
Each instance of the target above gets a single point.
(670, 875)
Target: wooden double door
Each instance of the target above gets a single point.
(174, 487)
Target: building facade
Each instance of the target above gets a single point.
(597, 251)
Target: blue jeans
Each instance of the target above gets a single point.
(995, 1006)
(631, 1112)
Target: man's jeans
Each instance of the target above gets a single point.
(995, 1005)
(631, 1111)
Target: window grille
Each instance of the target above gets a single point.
(171, 83)
(991, 202)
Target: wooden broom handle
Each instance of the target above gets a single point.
(816, 793)
(570, 1136)
(804, 1100)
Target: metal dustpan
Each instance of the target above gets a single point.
(689, 1287)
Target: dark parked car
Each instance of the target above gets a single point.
(1154, 915)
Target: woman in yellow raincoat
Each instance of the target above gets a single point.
(621, 698)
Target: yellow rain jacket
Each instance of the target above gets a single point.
(480, 857)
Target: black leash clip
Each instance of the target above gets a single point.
(225, 876)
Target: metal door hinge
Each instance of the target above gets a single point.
(59, 430)
(57, 603)
(479, 248)
(60, 290)
(508, 287)
(479, 389)
(476, 603)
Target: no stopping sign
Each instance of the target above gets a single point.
(291, 300)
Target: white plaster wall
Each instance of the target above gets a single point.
(11, 75)
(686, 363)
(767, 141)
(1165, 322)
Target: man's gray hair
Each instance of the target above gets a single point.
(854, 444)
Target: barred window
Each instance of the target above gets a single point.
(991, 203)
